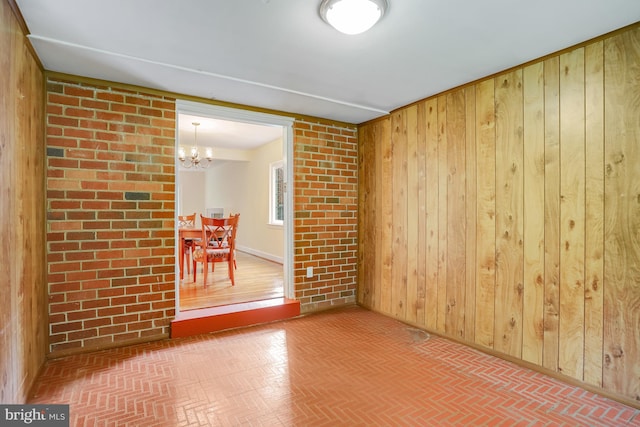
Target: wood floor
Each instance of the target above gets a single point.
(256, 279)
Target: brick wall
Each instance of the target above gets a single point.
(110, 215)
(325, 199)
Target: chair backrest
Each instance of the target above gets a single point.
(187, 220)
(220, 232)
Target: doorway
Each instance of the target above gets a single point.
(232, 156)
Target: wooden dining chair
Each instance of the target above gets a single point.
(218, 244)
(187, 221)
(235, 260)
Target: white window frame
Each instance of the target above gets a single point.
(273, 204)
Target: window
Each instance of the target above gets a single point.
(276, 192)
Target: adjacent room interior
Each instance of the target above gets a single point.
(245, 176)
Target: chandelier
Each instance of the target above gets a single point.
(194, 160)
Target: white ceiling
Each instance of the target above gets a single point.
(227, 134)
(280, 55)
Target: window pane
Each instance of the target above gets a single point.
(276, 193)
(279, 196)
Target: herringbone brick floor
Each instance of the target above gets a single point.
(350, 367)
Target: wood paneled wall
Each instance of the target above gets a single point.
(506, 214)
(23, 301)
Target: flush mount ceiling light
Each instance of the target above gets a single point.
(352, 16)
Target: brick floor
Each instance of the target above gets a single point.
(349, 367)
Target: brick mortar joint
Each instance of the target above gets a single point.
(106, 88)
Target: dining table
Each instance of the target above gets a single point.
(185, 233)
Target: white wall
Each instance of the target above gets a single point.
(264, 237)
(191, 191)
(226, 183)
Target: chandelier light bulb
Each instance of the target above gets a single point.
(194, 160)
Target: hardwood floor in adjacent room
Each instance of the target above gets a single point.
(256, 279)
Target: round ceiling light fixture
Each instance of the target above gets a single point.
(352, 16)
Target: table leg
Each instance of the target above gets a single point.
(181, 258)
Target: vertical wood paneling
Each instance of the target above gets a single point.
(532, 322)
(456, 213)
(23, 298)
(381, 134)
(551, 212)
(431, 288)
(522, 204)
(486, 223)
(622, 214)
(471, 215)
(594, 204)
(10, 375)
(32, 292)
(572, 202)
(421, 132)
(443, 183)
(400, 192)
(386, 219)
(367, 220)
(509, 215)
(412, 213)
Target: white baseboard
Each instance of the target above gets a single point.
(261, 254)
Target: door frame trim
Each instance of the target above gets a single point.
(253, 117)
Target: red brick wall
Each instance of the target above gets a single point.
(325, 211)
(110, 215)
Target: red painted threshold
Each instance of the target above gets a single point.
(194, 322)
